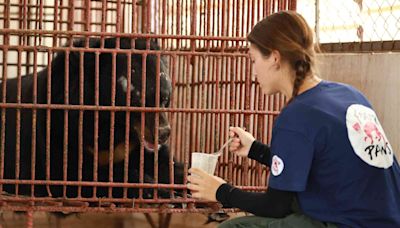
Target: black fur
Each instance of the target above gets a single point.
(104, 122)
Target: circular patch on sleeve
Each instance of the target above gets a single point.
(367, 137)
(277, 165)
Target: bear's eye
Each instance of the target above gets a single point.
(165, 102)
(123, 81)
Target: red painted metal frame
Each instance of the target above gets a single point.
(204, 43)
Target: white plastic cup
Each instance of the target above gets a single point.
(203, 161)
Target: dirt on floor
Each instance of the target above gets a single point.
(103, 220)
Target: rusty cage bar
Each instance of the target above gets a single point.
(205, 52)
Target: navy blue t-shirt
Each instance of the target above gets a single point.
(329, 147)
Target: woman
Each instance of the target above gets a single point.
(328, 155)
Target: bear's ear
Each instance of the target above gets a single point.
(74, 56)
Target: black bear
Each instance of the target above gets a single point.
(87, 77)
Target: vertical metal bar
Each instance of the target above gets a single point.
(156, 122)
(62, 15)
(275, 6)
(27, 40)
(96, 120)
(220, 132)
(88, 18)
(134, 17)
(40, 19)
(148, 16)
(186, 124)
(48, 119)
(112, 122)
(178, 23)
(65, 139)
(232, 105)
(29, 219)
(20, 20)
(34, 120)
(219, 103)
(144, 15)
(211, 81)
(213, 23)
(196, 99)
(18, 122)
(143, 119)
(225, 102)
(238, 4)
(173, 121)
(181, 103)
(169, 21)
(71, 16)
(242, 105)
(265, 7)
(163, 23)
(118, 19)
(254, 16)
(202, 96)
(127, 122)
(4, 87)
(207, 105)
(293, 5)
(224, 33)
(55, 23)
(192, 60)
(208, 26)
(80, 120)
(218, 21)
(103, 21)
(124, 17)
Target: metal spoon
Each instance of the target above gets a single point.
(219, 152)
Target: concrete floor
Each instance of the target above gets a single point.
(102, 220)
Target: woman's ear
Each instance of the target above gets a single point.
(276, 58)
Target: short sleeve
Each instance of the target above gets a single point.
(292, 155)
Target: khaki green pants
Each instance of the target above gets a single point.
(295, 220)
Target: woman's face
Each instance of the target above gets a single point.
(265, 70)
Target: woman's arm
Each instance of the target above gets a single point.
(260, 152)
(273, 203)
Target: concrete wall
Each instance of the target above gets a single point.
(378, 77)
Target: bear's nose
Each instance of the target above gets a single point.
(163, 134)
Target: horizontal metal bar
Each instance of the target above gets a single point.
(130, 109)
(114, 209)
(115, 34)
(92, 184)
(120, 51)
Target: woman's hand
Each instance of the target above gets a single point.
(203, 185)
(242, 141)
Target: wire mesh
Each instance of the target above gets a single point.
(358, 25)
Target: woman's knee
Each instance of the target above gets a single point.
(246, 222)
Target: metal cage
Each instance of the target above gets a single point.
(205, 51)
